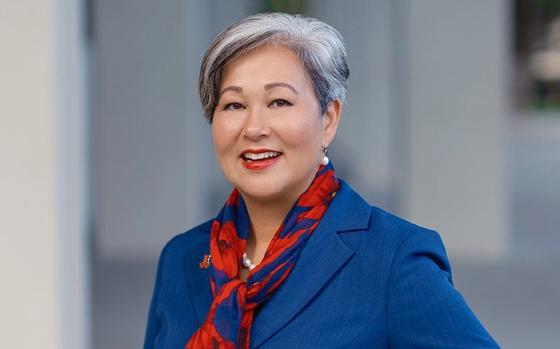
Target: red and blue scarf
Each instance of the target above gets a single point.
(228, 323)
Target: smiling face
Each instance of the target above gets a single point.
(267, 126)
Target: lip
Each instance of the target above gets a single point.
(259, 165)
(258, 151)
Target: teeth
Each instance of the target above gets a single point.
(260, 156)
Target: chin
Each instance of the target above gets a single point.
(261, 192)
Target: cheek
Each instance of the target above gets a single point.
(303, 136)
(216, 139)
(220, 147)
(222, 136)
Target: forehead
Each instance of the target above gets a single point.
(270, 63)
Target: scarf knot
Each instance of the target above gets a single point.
(228, 323)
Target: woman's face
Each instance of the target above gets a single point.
(267, 127)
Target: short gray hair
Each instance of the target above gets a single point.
(319, 46)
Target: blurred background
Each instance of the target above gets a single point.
(452, 121)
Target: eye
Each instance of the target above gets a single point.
(280, 103)
(233, 106)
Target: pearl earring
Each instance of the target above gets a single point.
(325, 160)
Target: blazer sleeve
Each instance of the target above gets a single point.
(153, 326)
(423, 308)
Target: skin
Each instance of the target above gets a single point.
(267, 101)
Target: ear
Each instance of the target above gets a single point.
(330, 121)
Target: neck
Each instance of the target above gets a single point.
(267, 215)
(266, 218)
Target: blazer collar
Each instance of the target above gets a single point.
(321, 257)
(348, 211)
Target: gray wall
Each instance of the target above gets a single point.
(151, 147)
(458, 105)
(421, 133)
(362, 149)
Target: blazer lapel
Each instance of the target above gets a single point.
(198, 281)
(323, 255)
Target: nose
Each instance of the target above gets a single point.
(256, 125)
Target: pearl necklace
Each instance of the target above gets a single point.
(247, 262)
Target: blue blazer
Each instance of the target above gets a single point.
(364, 279)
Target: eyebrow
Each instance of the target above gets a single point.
(269, 86)
(232, 88)
(280, 84)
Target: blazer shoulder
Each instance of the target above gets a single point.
(385, 231)
(183, 251)
(394, 227)
(194, 238)
(178, 259)
(402, 239)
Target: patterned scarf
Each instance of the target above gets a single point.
(228, 323)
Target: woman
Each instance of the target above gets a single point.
(296, 258)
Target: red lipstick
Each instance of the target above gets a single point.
(252, 159)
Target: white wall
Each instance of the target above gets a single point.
(43, 295)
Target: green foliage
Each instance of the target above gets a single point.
(549, 4)
(286, 6)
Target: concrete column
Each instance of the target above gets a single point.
(155, 173)
(43, 298)
(454, 174)
(362, 151)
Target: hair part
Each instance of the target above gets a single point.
(319, 47)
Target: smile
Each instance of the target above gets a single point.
(259, 159)
(260, 156)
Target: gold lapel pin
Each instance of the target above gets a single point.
(205, 262)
